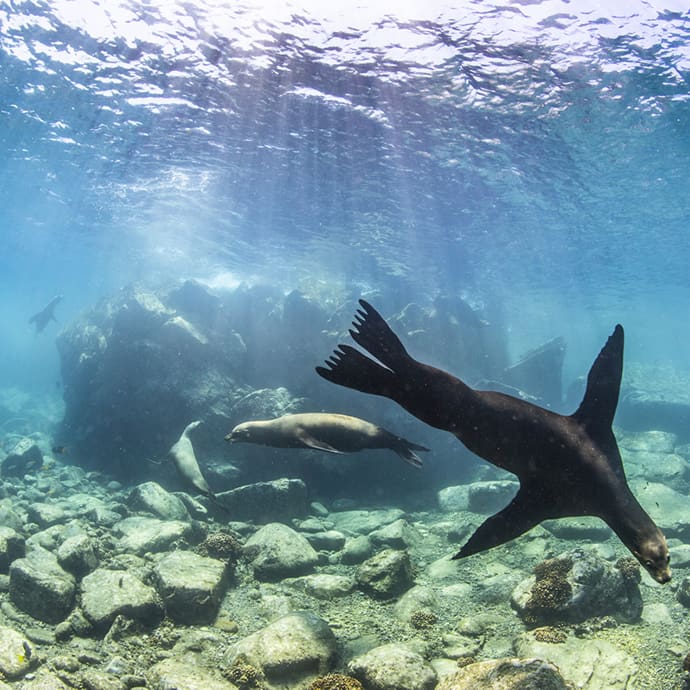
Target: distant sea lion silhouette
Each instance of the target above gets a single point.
(332, 433)
(567, 465)
(184, 459)
(41, 318)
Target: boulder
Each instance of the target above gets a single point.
(578, 585)
(589, 664)
(46, 514)
(276, 551)
(393, 667)
(356, 550)
(16, 653)
(194, 352)
(290, 650)
(386, 574)
(327, 586)
(329, 540)
(506, 674)
(186, 672)
(151, 497)
(11, 547)
(263, 502)
(25, 456)
(397, 535)
(106, 594)
(483, 497)
(683, 592)
(143, 535)
(191, 586)
(365, 521)
(77, 555)
(40, 587)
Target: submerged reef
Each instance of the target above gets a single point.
(152, 588)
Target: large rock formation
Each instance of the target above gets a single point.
(140, 366)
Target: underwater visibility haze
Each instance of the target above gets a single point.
(209, 187)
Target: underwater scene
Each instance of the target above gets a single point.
(344, 345)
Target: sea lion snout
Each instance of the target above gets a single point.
(238, 434)
(654, 557)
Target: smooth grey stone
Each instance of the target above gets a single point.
(277, 551)
(296, 646)
(356, 550)
(386, 574)
(365, 521)
(40, 587)
(332, 540)
(265, 502)
(585, 663)
(151, 497)
(106, 594)
(191, 586)
(141, 535)
(393, 667)
(12, 546)
(76, 555)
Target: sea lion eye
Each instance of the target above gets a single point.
(649, 563)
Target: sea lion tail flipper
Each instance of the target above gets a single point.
(406, 450)
(598, 407)
(518, 517)
(377, 338)
(350, 368)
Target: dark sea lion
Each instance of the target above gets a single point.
(184, 459)
(41, 318)
(332, 433)
(567, 465)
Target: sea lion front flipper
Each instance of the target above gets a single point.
(518, 517)
(598, 407)
(310, 442)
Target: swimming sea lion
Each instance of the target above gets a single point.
(567, 465)
(182, 454)
(332, 433)
(41, 318)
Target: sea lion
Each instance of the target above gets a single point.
(41, 318)
(184, 459)
(567, 465)
(332, 433)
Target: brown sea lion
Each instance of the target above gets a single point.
(567, 465)
(332, 433)
(184, 459)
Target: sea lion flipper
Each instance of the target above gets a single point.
(310, 442)
(350, 368)
(598, 406)
(518, 517)
(373, 333)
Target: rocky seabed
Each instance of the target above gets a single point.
(106, 587)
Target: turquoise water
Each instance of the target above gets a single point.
(530, 158)
(531, 155)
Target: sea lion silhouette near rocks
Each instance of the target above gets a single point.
(567, 465)
(329, 432)
(42, 318)
(184, 459)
